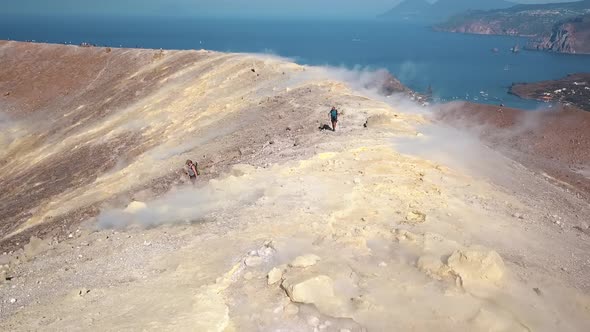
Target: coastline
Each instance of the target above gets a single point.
(529, 46)
(571, 90)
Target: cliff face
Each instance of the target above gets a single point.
(558, 27)
(569, 37)
(501, 23)
(480, 27)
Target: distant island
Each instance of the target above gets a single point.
(422, 11)
(573, 89)
(557, 27)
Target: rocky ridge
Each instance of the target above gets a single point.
(381, 224)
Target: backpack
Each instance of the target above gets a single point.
(334, 114)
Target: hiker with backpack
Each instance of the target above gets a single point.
(191, 170)
(334, 117)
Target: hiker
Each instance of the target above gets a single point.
(192, 171)
(334, 117)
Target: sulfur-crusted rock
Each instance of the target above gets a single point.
(135, 207)
(432, 266)
(403, 235)
(309, 290)
(477, 265)
(305, 261)
(415, 217)
(275, 275)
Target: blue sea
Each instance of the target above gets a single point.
(457, 66)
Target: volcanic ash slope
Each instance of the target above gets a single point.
(374, 227)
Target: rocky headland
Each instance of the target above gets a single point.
(571, 90)
(571, 36)
(559, 27)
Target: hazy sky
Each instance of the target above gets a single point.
(321, 8)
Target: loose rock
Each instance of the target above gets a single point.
(416, 217)
(403, 235)
(82, 292)
(477, 265)
(275, 275)
(305, 261)
(311, 290)
(432, 266)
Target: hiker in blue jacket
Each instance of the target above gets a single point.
(334, 117)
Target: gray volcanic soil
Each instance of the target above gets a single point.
(553, 142)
